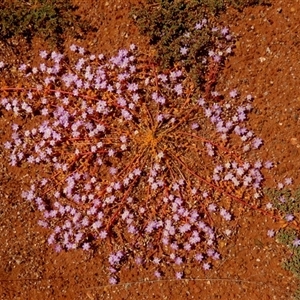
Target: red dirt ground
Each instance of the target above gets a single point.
(266, 63)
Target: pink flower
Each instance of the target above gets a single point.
(132, 87)
(157, 274)
(256, 143)
(296, 242)
(184, 228)
(249, 97)
(280, 186)
(269, 206)
(201, 102)
(216, 256)
(224, 31)
(73, 47)
(288, 181)
(226, 215)
(178, 260)
(289, 217)
(233, 94)
(212, 207)
(156, 260)
(198, 26)
(184, 50)
(178, 89)
(58, 248)
(199, 257)
(113, 280)
(103, 234)
(195, 126)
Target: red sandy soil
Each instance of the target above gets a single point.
(266, 64)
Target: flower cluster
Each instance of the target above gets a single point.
(220, 40)
(129, 155)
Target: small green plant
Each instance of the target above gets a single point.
(178, 30)
(297, 294)
(241, 4)
(289, 237)
(286, 236)
(48, 19)
(287, 202)
(175, 30)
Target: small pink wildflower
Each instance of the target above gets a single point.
(270, 233)
(179, 275)
(233, 94)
